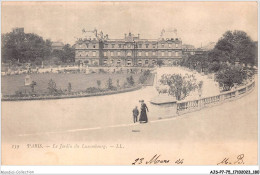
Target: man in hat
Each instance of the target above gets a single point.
(135, 113)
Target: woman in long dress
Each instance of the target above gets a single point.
(143, 116)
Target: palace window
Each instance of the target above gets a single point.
(105, 54)
(154, 45)
(94, 53)
(105, 61)
(176, 45)
(106, 45)
(112, 53)
(113, 46)
(118, 53)
(169, 45)
(129, 62)
(94, 46)
(139, 53)
(169, 53)
(146, 54)
(140, 45)
(153, 53)
(163, 53)
(146, 61)
(129, 53)
(176, 54)
(140, 62)
(162, 45)
(118, 61)
(147, 45)
(79, 53)
(119, 45)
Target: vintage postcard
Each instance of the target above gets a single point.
(129, 83)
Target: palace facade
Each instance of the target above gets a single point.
(130, 51)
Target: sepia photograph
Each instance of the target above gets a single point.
(129, 83)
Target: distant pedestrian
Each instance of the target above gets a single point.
(135, 113)
(143, 116)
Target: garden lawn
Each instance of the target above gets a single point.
(79, 81)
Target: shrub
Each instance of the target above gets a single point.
(178, 85)
(69, 87)
(110, 84)
(99, 83)
(144, 76)
(102, 71)
(18, 93)
(93, 90)
(52, 87)
(130, 80)
(117, 83)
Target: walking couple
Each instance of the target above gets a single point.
(143, 116)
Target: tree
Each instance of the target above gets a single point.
(23, 47)
(232, 46)
(58, 54)
(52, 87)
(197, 62)
(179, 86)
(200, 85)
(214, 67)
(230, 76)
(144, 76)
(69, 87)
(33, 84)
(159, 63)
(98, 83)
(68, 54)
(110, 84)
(130, 80)
(117, 83)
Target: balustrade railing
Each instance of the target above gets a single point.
(186, 106)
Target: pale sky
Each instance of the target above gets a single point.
(196, 22)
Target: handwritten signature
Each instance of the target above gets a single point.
(154, 160)
(238, 161)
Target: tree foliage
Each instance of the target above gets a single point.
(159, 63)
(234, 46)
(197, 62)
(31, 48)
(66, 55)
(178, 86)
(24, 47)
(231, 76)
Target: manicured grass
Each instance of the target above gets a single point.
(79, 81)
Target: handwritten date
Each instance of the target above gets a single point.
(154, 160)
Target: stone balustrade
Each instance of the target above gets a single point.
(193, 105)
